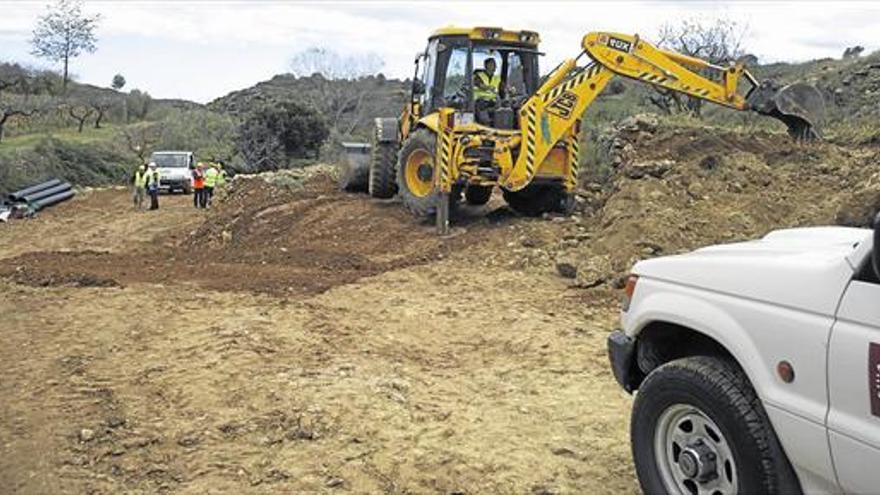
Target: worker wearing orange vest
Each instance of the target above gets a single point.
(198, 177)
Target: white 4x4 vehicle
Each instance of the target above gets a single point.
(757, 365)
(175, 170)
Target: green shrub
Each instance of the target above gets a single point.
(91, 164)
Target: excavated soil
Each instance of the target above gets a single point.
(295, 339)
(262, 237)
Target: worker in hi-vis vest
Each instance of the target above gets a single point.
(152, 184)
(486, 82)
(210, 182)
(140, 184)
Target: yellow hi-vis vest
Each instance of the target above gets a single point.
(152, 177)
(488, 89)
(211, 177)
(140, 178)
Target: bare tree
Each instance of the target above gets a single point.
(718, 41)
(10, 108)
(63, 33)
(332, 65)
(331, 76)
(18, 104)
(140, 139)
(80, 111)
(100, 104)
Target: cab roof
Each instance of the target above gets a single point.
(485, 33)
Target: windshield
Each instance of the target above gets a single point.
(170, 160)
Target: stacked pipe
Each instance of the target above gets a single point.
(42, 195)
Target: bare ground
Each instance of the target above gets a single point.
(299, 342)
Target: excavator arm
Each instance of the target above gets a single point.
(552, 115)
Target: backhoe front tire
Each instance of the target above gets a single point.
(478, 195)
(382, 181)
(536, 199)
(415, 173)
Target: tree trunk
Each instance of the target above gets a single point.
(98, 120)
(3, 120)
(81, 123)
(64, 84)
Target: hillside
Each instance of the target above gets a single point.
(349, 106)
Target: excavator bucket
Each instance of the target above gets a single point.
(799, 106)
(354, 171)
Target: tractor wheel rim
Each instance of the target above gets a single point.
(692, 455)
(419, 173)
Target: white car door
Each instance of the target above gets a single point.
(854, 387)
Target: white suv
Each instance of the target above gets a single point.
(757, 365)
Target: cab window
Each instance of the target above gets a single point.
(456, 81)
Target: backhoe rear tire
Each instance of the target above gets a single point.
(536, 199)
(478, 195)
(382, 182)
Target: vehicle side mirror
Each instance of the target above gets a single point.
(875, 256)
(418, 87)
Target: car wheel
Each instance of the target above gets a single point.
(698, 428)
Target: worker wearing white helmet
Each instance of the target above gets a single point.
(153, 177)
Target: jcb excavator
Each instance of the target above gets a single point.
(447, 142)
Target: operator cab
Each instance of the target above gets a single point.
(484, 73)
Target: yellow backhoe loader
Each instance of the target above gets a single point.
(471, 125)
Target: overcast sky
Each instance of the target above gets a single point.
(200, 50)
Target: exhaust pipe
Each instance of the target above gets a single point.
(799, 106)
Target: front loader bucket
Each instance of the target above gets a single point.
(354, 171)
(799, 106)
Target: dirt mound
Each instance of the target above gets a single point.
(291, 233)
(56, 269)
(676, 189)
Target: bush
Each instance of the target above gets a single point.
(273, 134)
(80, 164)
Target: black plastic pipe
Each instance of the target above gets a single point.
(30, 198)
(19, 195)
(51, 200)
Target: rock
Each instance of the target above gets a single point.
(566, 267)
(595, 271)
(115, 421)
(655, 168)
(226, 236)
(859, 208)
(86, 435)
(530, 242)
(644, 122)
(711, 162)
(334, 482)
(562, 451)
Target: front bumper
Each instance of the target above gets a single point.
(621, 353)
(174, 183)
